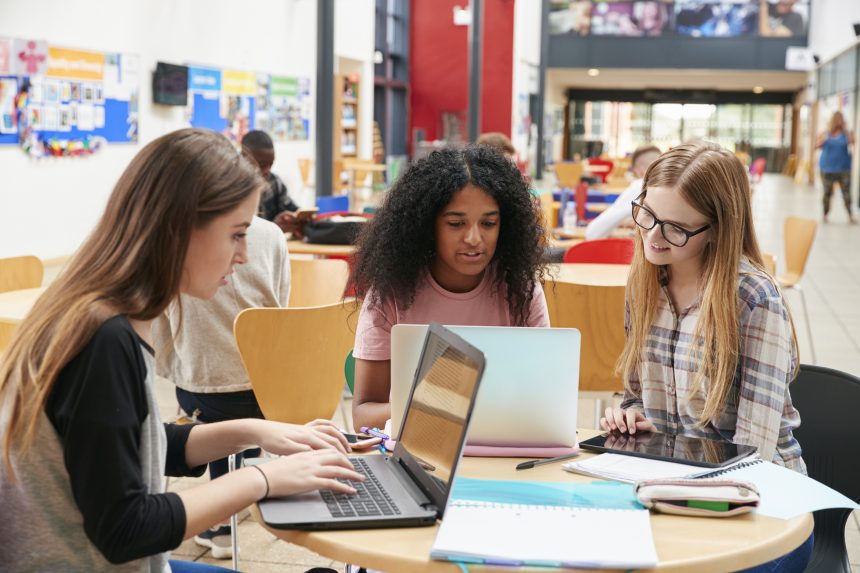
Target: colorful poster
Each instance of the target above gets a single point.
(239, 83)
(75, 64)
(5, 56)
(8, 93)
(29, 57)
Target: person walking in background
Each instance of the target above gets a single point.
(835, 162)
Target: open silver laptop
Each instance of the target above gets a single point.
(411, 486)
(530, 390)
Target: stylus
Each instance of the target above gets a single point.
(530, 464)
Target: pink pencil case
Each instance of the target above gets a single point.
(697, 497)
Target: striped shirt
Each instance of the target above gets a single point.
(758, 411)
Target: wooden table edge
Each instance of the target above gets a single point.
(799, 529)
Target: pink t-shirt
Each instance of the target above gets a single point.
(481, 306)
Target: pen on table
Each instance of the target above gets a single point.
(533, 463)
(375, 432)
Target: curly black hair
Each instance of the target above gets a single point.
(399, 243)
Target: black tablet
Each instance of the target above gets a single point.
(670, 448)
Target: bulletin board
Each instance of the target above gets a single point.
(65, 99)
(234, 102)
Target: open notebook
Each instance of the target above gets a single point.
(784, 492)
(545, 535)
(558, 524)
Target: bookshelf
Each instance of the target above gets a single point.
(346, 117)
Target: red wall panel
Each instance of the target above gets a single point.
(439, 66)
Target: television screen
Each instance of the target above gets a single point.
(716, 18)
(649, 18)
(785, 18)
(569, 16)
(170, 84)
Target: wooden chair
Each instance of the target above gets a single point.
(568, 173)
(598, 312)
(769, 263)
(305, 165)
(317, 282)
(798, 235)
(548, 212)
(7, 329)
(17, 273)
(294, 358)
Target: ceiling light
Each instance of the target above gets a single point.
(593, 72)
(758, 90)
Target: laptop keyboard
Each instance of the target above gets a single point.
(371, 498)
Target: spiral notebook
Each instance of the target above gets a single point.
(542, 535)
(784, 493)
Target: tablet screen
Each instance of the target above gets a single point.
(668, 447)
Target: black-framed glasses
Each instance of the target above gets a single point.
(674, 235)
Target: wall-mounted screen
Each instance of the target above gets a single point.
(566, 17)
(784, 18)
(717, 18)
(170, 84)
(642, 18)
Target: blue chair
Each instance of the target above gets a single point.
(329, 203)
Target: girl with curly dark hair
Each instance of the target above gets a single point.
(458, 240)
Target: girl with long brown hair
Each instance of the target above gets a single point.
(84, 450)
(710, 349)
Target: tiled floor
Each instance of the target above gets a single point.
(832, 287)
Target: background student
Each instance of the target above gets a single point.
(458, 240)
(196, 349)
(835, 162)
(84, 450)
(276, 205)
(710, 347)
(618, 214)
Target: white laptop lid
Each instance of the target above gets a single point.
(529, 393)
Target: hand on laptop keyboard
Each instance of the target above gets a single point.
(284, 439)
(306, 471)
(370, 498)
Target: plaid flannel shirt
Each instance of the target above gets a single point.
(758, 411)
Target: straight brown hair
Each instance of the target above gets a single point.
(131, 264)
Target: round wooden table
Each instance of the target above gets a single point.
(296, 247)
(684, 544)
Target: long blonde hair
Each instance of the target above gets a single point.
(130, 265)
(714, 182)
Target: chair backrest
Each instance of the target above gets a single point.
(7, 329)
(612, 251)
(758, 166)
(317, 282)
(827, 401)
(548, 212)
(769, 263)
(17, 273)
(305, 170)
(331, 203)
(568, 173)
(598, 313)
(798, 234)
(294, 358)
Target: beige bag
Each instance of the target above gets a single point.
(698, 497)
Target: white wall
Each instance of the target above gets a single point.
(526, 72)
(48, 206)
(830, 27)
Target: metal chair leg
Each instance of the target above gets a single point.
(234, 521)
(808, 324)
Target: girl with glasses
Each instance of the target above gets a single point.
(710, 345)
(711, 348)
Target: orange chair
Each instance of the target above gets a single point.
(611, 251)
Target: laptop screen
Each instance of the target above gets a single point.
(437, 416)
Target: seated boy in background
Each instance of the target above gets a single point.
(276, 205)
